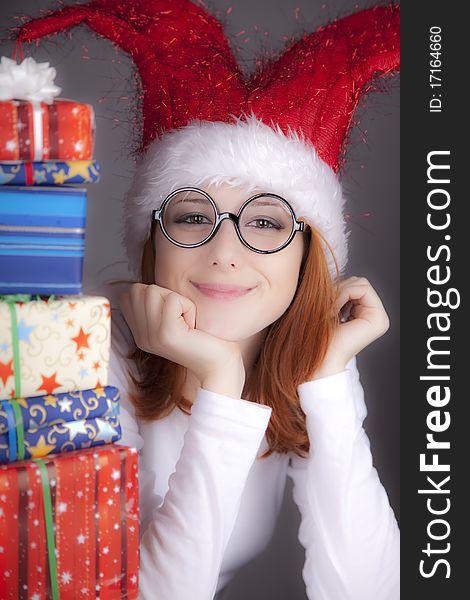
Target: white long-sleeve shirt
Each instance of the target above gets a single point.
(208, 506)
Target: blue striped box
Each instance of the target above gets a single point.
(42, 239)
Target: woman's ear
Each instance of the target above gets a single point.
(147, 266)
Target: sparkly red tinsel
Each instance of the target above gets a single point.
(189, 72)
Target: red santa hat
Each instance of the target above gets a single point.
(282, 130)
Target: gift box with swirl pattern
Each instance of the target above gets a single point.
(52, 172)
(38, 426)
(53, 345)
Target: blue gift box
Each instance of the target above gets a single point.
(51, 172)
(36, 426)
(42, 239)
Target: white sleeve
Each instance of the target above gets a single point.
(184, 535)
(183, 547)
(348, 529)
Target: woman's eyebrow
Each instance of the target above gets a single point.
(199, 200)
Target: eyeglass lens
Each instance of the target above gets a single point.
(265, 223)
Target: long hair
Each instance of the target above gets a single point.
(294, 348)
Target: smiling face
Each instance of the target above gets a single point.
(268, 281)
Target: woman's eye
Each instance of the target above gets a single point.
(262, 223)
(193, 219)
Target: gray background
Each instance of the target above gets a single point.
(370, 180)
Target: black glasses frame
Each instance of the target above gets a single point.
(157, 215)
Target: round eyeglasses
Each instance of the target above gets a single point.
(265, 223)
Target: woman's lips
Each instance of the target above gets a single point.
(221, 291)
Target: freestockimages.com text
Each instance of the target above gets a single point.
(441, 299)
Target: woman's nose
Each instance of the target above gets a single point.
(226, 245)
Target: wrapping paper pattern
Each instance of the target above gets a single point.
(69, 526)
(42, 239)
(32, 130)
(54, 172)
(54, 345)
(37, 426)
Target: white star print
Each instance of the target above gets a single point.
(106, 550)
(62, 507)
(66, 577)
(10, 145)
(115, 474)
(78, 146)
(65, 405)
(81, 539)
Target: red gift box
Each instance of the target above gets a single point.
(36, 131)
(69, 526)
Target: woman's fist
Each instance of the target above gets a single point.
(367, 321)
(163, 322)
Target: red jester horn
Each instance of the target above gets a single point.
(284, 128)
(180, 49)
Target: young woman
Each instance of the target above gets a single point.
(244, 374)
(235, 351)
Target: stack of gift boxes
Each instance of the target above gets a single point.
(68, 493)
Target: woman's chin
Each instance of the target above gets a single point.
(219, 329)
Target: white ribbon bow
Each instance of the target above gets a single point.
(28, 80)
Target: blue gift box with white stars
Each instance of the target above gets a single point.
(37, 426)
(51, 172)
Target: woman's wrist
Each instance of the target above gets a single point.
(228, 380)
(326, 370)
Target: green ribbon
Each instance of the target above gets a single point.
(19, 426)
(46, 492)
(16, 350)
(12, 298)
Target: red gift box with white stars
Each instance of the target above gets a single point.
(32, 131)
(69, 526)
(53, 345)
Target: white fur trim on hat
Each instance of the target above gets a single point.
(244, 153)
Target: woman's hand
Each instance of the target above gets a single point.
(367, 321)
(163, 322)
